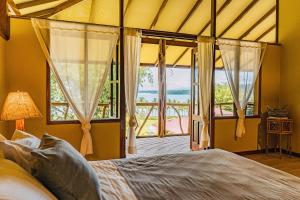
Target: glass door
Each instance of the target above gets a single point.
(178, 79)
(196, 124)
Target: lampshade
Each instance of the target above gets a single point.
(19, 105)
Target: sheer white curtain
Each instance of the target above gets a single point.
(80, 56)
(132, 51)
(242, 62)
(205, 65)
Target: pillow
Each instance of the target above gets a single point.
(18, 152)
(64, 171)
(27, 138)
(17, 184)
(2, 138)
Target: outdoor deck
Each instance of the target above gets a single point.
(156, 145)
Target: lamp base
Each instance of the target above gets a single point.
(20, 125)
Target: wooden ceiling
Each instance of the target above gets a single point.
(253, 20)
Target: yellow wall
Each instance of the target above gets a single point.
(3, 83)
(289, 34)
(26, 71)
(270, 88)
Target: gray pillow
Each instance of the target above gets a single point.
(64, 171)
(19, 152)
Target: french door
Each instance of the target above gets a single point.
(196, 125)
(163, 101)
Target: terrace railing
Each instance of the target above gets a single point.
(229, 107)
(150, 109)
(174, 110)
(102, 109)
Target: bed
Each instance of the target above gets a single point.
(212, 174)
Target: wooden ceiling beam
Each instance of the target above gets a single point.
(163, 5)
(170, 42)
(189, 15)
(271, 11)
(13, 8)
(180, 56)
(32, 3)
(167, 65)
(220, 10)
(4, 21)
(266, 32)
(127, 7)
(257, 39)
(52, 11)
(92, 12)
(239, 17)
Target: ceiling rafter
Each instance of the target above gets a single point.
(226, 3)
(239, 17)
(266, 32)
(13, 7)
(92, 12)
(52, 11)
(180, 56)
(265, 16)
(127, 7)
(32, 3)
(220, 10)
(189, 15)
(163, 5)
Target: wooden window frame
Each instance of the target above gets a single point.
(107, 120)
(258, 115)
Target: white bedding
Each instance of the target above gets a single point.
(215, 174)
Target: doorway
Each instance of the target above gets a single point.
(164, 98)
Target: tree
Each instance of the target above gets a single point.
(145, 74)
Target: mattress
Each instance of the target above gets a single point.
(209, 175)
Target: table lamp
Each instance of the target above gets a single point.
(19, 106)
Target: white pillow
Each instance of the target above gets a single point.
(2, 138)
(22, 138)
(26, 138)
(17, 184)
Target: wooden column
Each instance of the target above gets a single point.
(277, 21)
(4, 21)
(122, 86)
(162, 89)
(212, 102)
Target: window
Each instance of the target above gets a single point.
(224, 104)
(60, 111)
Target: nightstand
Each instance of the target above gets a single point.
(280, 127)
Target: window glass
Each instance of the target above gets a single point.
(224, 105)
(107, 107)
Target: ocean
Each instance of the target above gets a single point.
(180, 96)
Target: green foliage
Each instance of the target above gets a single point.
(56, 93)
(64, 112)
(222, 93)
(145, 74)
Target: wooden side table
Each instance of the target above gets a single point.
(279, 127)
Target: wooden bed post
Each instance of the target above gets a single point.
(122, 86)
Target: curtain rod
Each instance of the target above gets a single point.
(147, 32)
